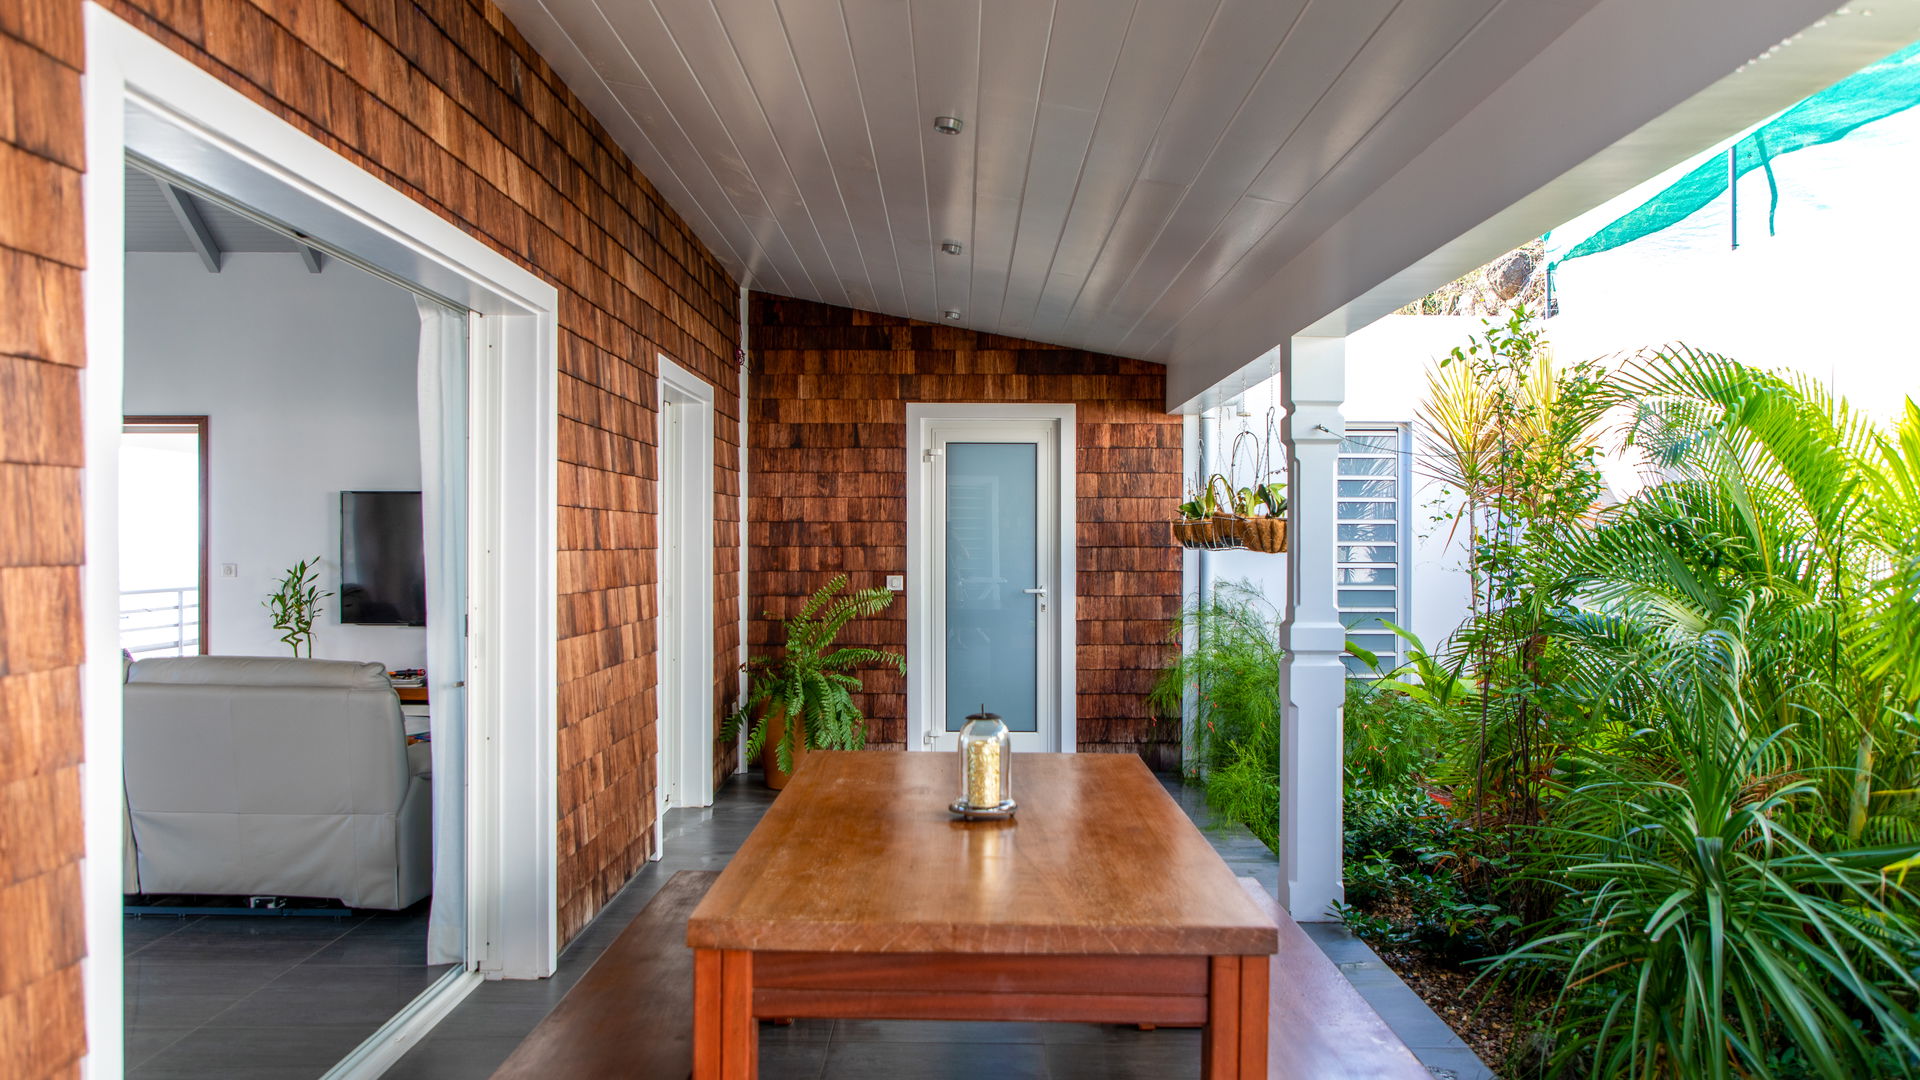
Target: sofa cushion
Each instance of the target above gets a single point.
(260, 671)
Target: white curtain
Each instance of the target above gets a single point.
(443, 504)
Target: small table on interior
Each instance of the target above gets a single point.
(858, 896)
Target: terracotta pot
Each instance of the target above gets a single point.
(769, 757)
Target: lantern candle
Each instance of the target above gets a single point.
(983, 773)
(986, 766)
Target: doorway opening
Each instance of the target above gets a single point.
(163, 500)
(990, 572)
(486, 329)
(684, 690)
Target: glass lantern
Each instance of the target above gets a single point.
(986, 767)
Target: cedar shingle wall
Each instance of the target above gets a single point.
(42, 1026)
(445, 101)
(828, 490)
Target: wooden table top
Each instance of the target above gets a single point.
(859, 854)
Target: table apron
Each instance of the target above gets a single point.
(925, 986)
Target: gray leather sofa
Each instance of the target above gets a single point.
(255, 776)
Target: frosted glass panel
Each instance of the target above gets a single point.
(993, 633)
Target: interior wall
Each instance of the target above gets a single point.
(308, 384)
(447, 102)
(828, 493)
(42, 251)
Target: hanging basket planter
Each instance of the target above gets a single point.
(1217, 533)
(1264, 534)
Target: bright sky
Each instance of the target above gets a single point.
(159, 512)
(1833, 295)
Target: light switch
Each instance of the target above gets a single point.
(897, 582)
(229, 569)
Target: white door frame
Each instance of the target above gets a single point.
(683, 593)
(923, 712)
(142, 96)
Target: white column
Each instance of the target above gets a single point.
(1312, 677)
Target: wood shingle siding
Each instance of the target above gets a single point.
(42, 1023)
(445, 101)
(828, 491)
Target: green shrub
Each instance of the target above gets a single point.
(1233, 671)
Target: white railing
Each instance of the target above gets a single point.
(160, 622)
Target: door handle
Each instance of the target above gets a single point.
(1034, 592)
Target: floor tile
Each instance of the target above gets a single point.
(252, 1053)
(138, 932)
(934, 1061)
(198, 973)
(178, 1010)
(330, 995)
(463, 1057)
(793, 1061)
(142, 1043)
(1165, 1054)
(936, 1031)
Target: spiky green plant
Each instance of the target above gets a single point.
(1232, 669)
(808, 680)
(1701, 936)
(295, 605)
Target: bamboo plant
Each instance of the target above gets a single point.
(295, 605)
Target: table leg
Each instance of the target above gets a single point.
(1255, 1019)
(739, 1033)
(706, 1014)
(1220, 1040)
(1234, 1044)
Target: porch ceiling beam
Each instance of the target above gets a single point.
(195, 226)
(1630, 89)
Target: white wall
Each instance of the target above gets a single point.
(308, 383)
(1387, 364)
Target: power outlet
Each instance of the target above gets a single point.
(230, 569)
(897, 582)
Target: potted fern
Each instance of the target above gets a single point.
(802, 699)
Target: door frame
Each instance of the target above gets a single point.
(683, 688)
(921, 516)
(143, 97)
(200, 426)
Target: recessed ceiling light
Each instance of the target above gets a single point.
(947, 125)
(951, 247)
(952, 315)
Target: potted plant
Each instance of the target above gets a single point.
(802, 698)
(296, 604)
(1194, 526)
(1264, 528)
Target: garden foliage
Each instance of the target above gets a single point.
(1665, 778)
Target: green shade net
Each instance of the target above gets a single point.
(1874, 93)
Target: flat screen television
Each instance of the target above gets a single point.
(383, 560)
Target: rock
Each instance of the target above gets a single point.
(1507, 278)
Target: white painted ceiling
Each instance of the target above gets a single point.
(152, 226)
(1120, 158)
(1190, 181)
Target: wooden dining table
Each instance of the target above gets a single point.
(859, 896)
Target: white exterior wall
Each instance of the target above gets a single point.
(308, 381)
(1386, 367)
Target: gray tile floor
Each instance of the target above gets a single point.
(479, 1034)
(272, 998)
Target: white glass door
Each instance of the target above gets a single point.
(994, 576)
